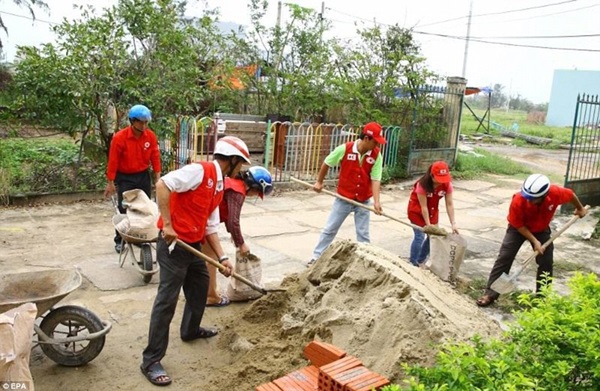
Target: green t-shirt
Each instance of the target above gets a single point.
(336, 156)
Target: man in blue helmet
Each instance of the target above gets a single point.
(132, 151)
(530, 213)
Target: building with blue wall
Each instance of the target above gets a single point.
(566, 85)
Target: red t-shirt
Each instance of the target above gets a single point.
(536, 218)
(130, 154)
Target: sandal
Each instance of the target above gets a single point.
(202, 333)
(154, 372)
(222, 303)
(485, 300)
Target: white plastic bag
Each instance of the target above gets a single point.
(249, 267)
(16, 331)
(446, 256)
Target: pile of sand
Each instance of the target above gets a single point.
(362, 299)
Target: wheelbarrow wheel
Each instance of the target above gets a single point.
(146, 256)
(71, 321)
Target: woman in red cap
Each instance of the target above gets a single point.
(423, 207)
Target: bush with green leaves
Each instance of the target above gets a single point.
(553, 345)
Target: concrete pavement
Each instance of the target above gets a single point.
(282, 230)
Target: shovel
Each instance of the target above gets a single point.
(432, 230)
(505, 284)
(223, 268)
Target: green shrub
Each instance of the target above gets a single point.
(553, 345)
(46, 165)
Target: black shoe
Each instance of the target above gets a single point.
(311, 262)
(119, 247)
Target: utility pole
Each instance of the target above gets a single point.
(279, 14)
(321, 18)
(278, 49)
(464, 70)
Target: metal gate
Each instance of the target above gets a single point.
(435, 127)
(583, 168)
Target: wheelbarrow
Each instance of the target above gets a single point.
(145, 265)
(69, 335)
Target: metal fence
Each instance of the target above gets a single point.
(298, 149)
(192, 140)
(583, 168)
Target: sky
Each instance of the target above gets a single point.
(524, 71)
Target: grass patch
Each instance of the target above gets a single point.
(506, 303)
(559, 135)
(46, 165)
(473, 165)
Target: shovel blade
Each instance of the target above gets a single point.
(503, 284)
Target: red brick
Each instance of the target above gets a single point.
(322, 353)
(364, 378)
(307, 377)
(327, 372)
(368, 384)
(268, 387)
(287, 384)
(342, 378)
(340, 365)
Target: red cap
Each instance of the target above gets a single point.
(441, 172)
(373, 129)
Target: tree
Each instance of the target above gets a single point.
(310, 76)
(383, 63)
(498, 98)
(136, 52)
(29, 4)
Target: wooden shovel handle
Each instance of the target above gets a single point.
(552, 238)
(356, 203)
(220, 267)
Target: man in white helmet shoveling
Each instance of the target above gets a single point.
(188, 200)
(529, 216)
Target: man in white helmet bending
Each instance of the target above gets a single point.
(529, 216)
(188, 200)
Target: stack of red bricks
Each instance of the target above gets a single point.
(331, 370)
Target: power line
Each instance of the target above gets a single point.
(352, 16)
(29, 17)
(483, 39)
(546, 15)
(542, 36)
(500, 12)
(509, 44)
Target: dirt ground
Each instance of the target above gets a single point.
(366, 299)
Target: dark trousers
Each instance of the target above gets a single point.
(508, 251)
(124, 182)
(178, 269)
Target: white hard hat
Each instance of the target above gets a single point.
(535, 186)
(232, 146)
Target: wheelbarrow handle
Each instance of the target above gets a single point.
(219, 266)
(359, 204)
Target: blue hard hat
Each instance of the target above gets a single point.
(140, 113)
(259, 178)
